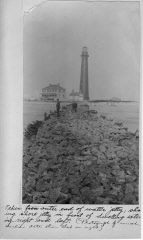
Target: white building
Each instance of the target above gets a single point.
(54, 92)
(77, 96)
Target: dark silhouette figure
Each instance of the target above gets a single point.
(58, 105)
(45, 116)
(74, 106)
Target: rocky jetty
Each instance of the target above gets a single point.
(81, 158)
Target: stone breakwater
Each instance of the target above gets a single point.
(81, 158)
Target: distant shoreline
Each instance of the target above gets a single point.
(111, 101)
(90, 101)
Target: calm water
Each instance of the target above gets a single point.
(35, 111)
(128, 113)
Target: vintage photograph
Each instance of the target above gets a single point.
(81, 101)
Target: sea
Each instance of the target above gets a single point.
(128, 113)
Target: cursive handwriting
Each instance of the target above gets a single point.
(69, 217)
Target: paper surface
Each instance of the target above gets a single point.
(71, 220)
(12, 146)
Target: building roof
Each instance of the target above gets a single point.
(54, 87)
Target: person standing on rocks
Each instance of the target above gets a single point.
(74, 106)
(58, 105)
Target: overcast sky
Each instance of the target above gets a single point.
(55, 33)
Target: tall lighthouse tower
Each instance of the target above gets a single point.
(84, 73)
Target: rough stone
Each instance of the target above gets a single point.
(43, 166)
(122, 154)
(128, 199)
(98, 191)
(85, 153)
(42, 185)
(81, 158)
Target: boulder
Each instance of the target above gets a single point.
(137, 134)
(102, 148)
(102, 175)
(98, 191)
(42, 185)
(26, 158)
(94, 151)
(43, 166)
(87, 163)
(85, 153)
(54, 194)
(28, 188)
(131, 178)
(37, 197)
(31, 181)
(122, 154)
(128, 199)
